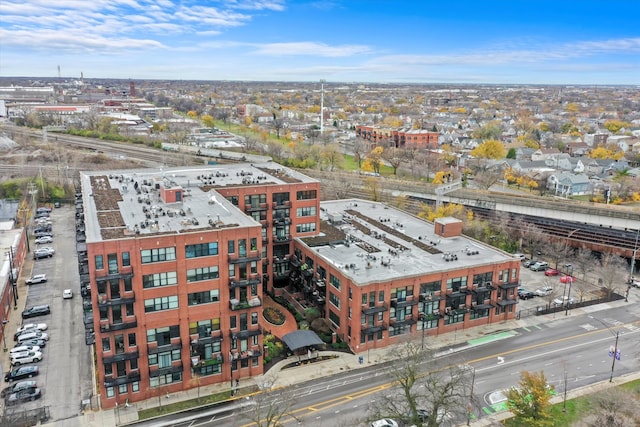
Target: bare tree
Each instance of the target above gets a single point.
(359, 150)
(583, 261)
(395, 157)
(612, 408)
(270, 406)
(425, 394)
(608, 272)
(485, 178)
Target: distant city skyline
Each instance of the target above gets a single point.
(378, 41)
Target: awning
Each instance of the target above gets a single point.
(300, 339)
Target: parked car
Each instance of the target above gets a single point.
(35, 311)
(32, 335)
(565, 300)
(539, 266)
(67, 294)
(24, 396)
(525, 293)
(26, 358)
(38, 278)
(23, 348)
(44, 239)
(35, 342)
(567, 279)
(42, 253)
(31, 327)
(551, 272)
(43, 233)
(543, 291)
(385, 422)
(21, 373)
(43, 209)
(529, 262)
(20, 385)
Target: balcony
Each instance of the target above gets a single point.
(235, 304)
(280, 259)
(508, 301)
(431, 297)
(245, 334)
(264, 223)
(282, 205)
(199, 362)
(126, 274)
(404, 322)
(373, 329)
(282, 221)
(508, 285)
(105, 326)
(236, 259)
(246, 354)
(153, 348)
(163, 371)
(104, 301)
(256, 207)
(131, 377)
(401, 302)
(244, 283)
(374, 309)
(119, 357)
(286, 238)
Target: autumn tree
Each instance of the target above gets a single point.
(331, 157)
(530, 400)
(395, 157)
(359, 148)
(430, 213)
(602, 152)
(373, 186)
(373, 161)
(207, 121)
(490, 149)
(614, 126)
(491, 130)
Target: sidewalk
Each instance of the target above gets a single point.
(344, 362)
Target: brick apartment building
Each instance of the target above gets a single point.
(381, 275)
(178, 261)
(399, 138)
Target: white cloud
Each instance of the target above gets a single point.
(309, 49)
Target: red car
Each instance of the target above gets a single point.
(551, 272)
(567, 279)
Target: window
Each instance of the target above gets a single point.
(334, 318)
(306, 195)
(204, 273)
(279, 199)
(381, 296)
(306, 227)
(242, 247)
(204, 297)
(157, 255)
(204, 327)
(135, 386)
(159, 279)
(255, 200)
(201, 249)
(122, 388)
(233, 200)
(334, 299)
(159, 304)
(128, 286)
(165, 379)
(254, 318)
(308, 211)
(112, 262)
(126, 259)
(456, 283)
(254, 244)
(336, 282)
(253, 267)
(106, 344)
(99, 262)
(111, 392)
(132, 340)
(231, 246)
(163, 336)
(401, 294)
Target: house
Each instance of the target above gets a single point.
(569, 184)
(544, 154)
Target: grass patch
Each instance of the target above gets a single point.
(170, 408)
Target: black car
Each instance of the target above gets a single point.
(39, 342)
(525, 293)
(16, 387)
(35, 311)
(24, 396)
(21, 373)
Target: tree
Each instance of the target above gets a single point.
(490, 149)
(332, 157)
(612, 408)
(529, 401)
(491, 130)
(511, 154)
(395, 157)
(614, 126)
(358, 149)
(486, 178)
(269, 407)
(373, 160)
(425, 394)
(207, 120)
(608, 277)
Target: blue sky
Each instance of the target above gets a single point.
(414, 41)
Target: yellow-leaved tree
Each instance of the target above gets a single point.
(373, 160)
(427, 212)
(614, 126)
(530, 400)
(490, 149)
(601, 152)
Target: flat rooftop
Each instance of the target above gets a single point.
(122, 203)
(372, 242)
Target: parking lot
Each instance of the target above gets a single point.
(65, 373)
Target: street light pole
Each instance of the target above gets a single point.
(615, 354)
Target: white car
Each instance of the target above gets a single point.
(48, 249)
(23, 349)
(30, 326)
(385, 422)
(27, 357)
(44, 239)
(543, 291)
(563, 301)
(38, 278)
(67, 294)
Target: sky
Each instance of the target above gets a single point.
(411, 41)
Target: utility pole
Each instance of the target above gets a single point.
(614, 356)
(322, 82)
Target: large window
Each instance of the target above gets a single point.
(204, 273)
(126, 259)
(456, 283)
(255, 200)
(306, 195)
(334, 299)
(336, 282)
(163, 335)
(112, 261)
(204, 327)
(308, 211)
(99, 262)
(158, 255)
(306, 227)
(159, 304)
(165, 379)
(204, 297)
(159, 279)
(201, 249)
